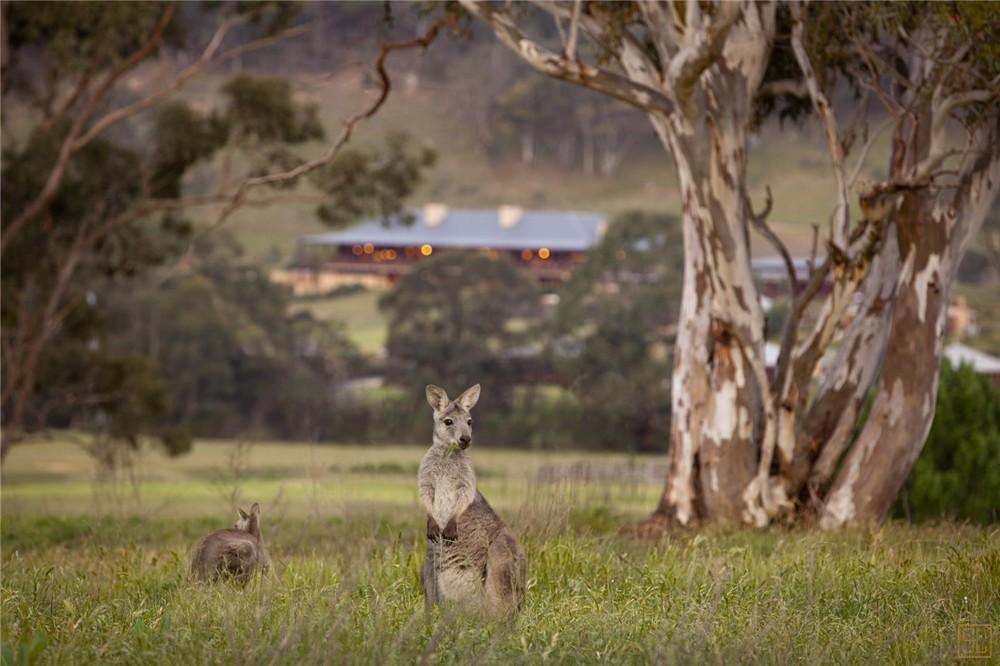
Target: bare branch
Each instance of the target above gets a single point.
(858, 119)
(574, 25)
(665, 37)
(703, 49)
(759, 222)
(877, 63)
(814, 246)
(821, 104)
(633, 58)
(197, 67)
(239, 196)
(78, 90)
(942, 109)
(615, 85)
(866, 148)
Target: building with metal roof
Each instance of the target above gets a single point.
(505, 228)
(548, 244)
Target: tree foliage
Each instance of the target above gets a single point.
(261, 109)
(94, 194)
(368, 183)
(233, 360)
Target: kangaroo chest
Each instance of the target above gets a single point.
(454, 483)
(453, 495)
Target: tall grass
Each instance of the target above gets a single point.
(111, 587)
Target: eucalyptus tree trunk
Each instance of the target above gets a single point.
(699, 99)
(933, 232)
(714, 392)
(747, 447)
(716, 411)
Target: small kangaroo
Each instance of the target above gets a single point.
(472, 558)
(236, 553)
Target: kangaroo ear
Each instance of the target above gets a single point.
(436, 397)
(244, 515)
(469, 398)
(255, 509)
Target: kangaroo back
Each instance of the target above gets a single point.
(236, 553)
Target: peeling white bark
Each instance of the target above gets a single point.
(881, 459)
(931, 274)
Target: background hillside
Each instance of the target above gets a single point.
(502, 133)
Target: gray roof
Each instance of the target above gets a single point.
(567, 231)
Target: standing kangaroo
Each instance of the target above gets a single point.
(472, 558)
(236, 553)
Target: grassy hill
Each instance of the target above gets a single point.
(793, 161)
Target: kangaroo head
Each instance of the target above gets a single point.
(452, 422)
(249, 522)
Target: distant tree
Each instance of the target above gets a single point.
(94, 188)
(458, 319)
(558, 123)
(957, 475)
(614, 330)
(232, 359)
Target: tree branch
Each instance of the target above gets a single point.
(615, 85)
(703, 49)
(238, 197)
(941, 111)
(574, 26)
(661, 30)
(68, 146)
(865, 150)
(821, 104)
(202, 63)
(759, 222)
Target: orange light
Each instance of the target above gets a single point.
(527, 254)
(357, 250)
(426, 250)
(390, 254)
(543, 253)
(369, 248)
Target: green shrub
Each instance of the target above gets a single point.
(958, 472)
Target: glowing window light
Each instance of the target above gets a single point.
(426, 250)
(369, 248)
(527, 255)
(357, 250)
(543, 253)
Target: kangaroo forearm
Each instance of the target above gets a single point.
(427, 498)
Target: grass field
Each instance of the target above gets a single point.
(95, 573)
